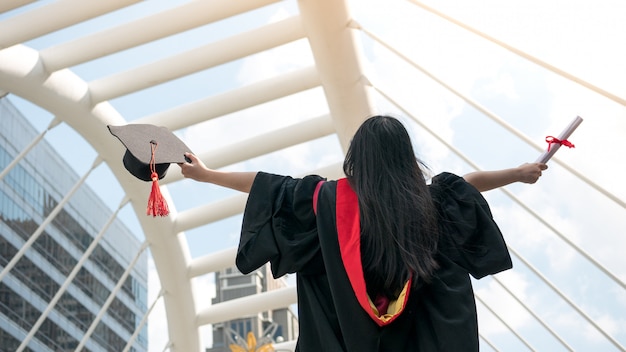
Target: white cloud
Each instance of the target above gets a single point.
(500, 301)
(607, 323)
(529, 236)
(204, 290)
(503, 85)
(276, 61)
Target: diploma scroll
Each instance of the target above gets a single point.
(553, 147)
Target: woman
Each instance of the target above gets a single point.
(382, 258)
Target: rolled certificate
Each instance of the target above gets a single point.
(555, 143)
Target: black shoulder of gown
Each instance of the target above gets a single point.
(469, 235)
(279, 225)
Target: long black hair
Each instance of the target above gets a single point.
(398, 219)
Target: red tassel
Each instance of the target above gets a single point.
(156, 203)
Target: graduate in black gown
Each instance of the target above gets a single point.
(382, 259)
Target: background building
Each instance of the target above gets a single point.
(230, 284)
(29, 193)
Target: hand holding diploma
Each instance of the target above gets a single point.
(555, 143)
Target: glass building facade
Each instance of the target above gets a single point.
(28, 194)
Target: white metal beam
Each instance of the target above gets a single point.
(285, 346)
(278, 139)
(212, 262)
(235, 100)
(8, 5)
(52, 17)
(248, 305)
(208, 213)
(195, 60)
(144, 30)
(338, 61)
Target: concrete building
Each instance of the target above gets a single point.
(279, 324)
(29, 195)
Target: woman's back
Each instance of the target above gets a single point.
(335, 312)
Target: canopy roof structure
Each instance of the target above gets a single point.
(282, 85)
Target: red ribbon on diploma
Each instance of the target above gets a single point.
(559, 141)
(553, 140)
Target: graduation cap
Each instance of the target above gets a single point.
(149, 152)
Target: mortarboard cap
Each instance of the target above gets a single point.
(149, 152)
(140, 139)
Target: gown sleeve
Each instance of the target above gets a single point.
(469, 235)
(279, 225)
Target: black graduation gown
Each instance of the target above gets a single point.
(280, 226)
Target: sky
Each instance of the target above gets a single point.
(584, 38)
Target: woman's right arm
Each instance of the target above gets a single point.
(196, 170)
